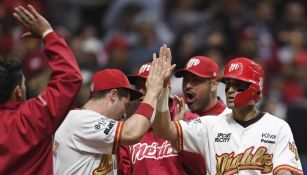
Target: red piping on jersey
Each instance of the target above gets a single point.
(118, 134)
(287, 167)
(179, 136)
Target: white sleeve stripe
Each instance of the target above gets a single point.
(117, 136)
(42, 100)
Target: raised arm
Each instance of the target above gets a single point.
(163, 126)
(138, 124)
(45, 112)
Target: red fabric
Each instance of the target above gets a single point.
(109, 79)
(27, 128)
(112, 79)
(145, 110)
(217, 109)
(153, 156)
(142, 72)
(200, 66)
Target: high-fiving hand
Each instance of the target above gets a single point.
(154, 82)
(31, 19)
(166, 56)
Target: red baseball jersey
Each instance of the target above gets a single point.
(27, 128)
(151, 155)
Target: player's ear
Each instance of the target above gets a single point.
(213, 85)
(113, 94)
(17, 93)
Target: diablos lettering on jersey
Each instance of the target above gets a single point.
(228, 163)
(105, 165)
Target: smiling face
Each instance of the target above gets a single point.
(233, 87)
(197, 92)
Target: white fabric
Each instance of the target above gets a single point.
(221, 140)
(46, 32)
(83, 142)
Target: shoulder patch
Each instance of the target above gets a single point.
(109, 127)
(196, 120)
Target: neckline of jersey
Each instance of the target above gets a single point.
(245, 124)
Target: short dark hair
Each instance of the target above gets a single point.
(122, 92)
(10, 76)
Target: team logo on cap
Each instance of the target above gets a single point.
(145, 67)
(92, 86)
(233, 67)
(192, 62)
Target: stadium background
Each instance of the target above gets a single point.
(123, 34)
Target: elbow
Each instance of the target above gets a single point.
(76, 80)
(135, 138)
(78, 77)
(130, 138)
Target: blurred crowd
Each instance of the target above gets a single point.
(124, 34)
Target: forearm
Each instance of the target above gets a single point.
(61, 59)
(65, 80)
(139, 123)
(163, 126)
(134, 129)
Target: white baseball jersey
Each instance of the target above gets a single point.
(86, 143)
(264, 147)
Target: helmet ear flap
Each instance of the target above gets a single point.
(249, 97)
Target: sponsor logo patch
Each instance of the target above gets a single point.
(101, 123)
(222, 137)
(196, 120)
(268, 138)
(109, 127)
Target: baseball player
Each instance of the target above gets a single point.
(199, 86)
(243, 141)
(88, 139)
(151, 155)
(27, 126)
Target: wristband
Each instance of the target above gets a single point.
(147, 111)
(46, 32)
(162, 105)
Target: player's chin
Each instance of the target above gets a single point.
(230, 104)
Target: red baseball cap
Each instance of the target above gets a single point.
(200, 66)
(112, 79)
(142, 73)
